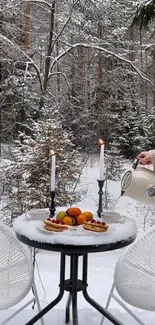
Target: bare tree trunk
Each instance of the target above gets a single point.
(100, 70)
(142, 89)
(81, 58)
(146, 85)
(132, 52)
(49, 47)
(49, 51)
(58, 78)
(27, 27)
(86, 82)
(132, 57)
(141, 52)
(72, 72)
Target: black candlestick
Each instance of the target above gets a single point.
(100, 184)
(52, 208)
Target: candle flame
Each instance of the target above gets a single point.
(101, 141)
(51, 153)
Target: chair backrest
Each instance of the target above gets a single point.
(134, 275)
(16, 270)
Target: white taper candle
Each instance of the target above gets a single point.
(53, 165)
(101, 173)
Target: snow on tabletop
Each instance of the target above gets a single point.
(27, 226)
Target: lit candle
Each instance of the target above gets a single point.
(101, 175)
(53, 163)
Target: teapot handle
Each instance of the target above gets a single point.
(135, 164)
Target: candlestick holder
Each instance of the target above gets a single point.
(100, 184)
(52, 208)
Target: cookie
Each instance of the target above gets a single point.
(96, 226)
(53, 225)
(50, 228)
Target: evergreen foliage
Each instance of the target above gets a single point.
(145, 14)
(27, 177)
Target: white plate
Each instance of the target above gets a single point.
(41, 228)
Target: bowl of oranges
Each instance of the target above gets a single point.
(74, 216)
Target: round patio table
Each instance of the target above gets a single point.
(74, 244)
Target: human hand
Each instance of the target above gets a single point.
(144, 158)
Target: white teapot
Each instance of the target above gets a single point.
(139, 184)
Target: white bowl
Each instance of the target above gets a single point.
(38, 214)
(112, 217)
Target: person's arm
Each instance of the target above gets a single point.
(152, 154)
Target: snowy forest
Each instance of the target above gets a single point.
(71, 72)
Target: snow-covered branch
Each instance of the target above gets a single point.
(30, 61)
(59, 73)
(99, 48)
(39, 2)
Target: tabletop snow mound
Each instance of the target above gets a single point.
(30, 227)
(96, 226)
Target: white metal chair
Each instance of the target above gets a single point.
(16, 273)
(134, 276)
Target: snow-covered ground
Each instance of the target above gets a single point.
(101, 267)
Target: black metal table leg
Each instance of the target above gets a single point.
(58, 298)
(74, 288)
(92, 302)
(67, 314)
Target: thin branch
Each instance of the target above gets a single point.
(26, 70)
(70, 47)
(145, 217)
(49, 46)
(65, 24)
(61, 31)
(38, 2)
(59, 73)
(38, 74)
(25, 126)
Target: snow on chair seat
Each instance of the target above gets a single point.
(134, 276)
(16, 272)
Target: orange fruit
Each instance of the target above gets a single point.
(81, 219)
(61, 215)
(74, 212)
(89, 215)
(68, 221)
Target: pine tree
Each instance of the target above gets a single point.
(28, 176)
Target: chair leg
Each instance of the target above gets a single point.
(139, 321)
(34, 289)
(112, 296)
(37, 302)
(108, 302)
(17, 312)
